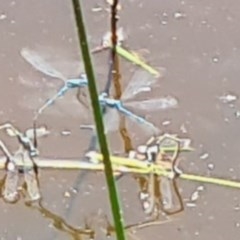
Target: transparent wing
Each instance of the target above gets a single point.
(32, 184)
(40, 64)
(111, 120)
(154, 104)
(166, 193)
(146, 126)
(10, 191)
(30, 178)
(141, 81)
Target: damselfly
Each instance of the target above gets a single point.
(39, 63)
(140, 82)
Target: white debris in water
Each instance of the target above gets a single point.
(237, 208)
(237, 224)
(194, 197)
(183, 129)
(163, 22)
(74, 190)
(66, 133)
(200, 188)
(215, 59)
(178, 15)
(3, 16)
(165, 123)
(191, 205)
(204, 156)
(237, 114)
(228, 98)
(226, 120)
(97, 9)
(196, 233)
(210, 166)
(67, 194)
(204, 22)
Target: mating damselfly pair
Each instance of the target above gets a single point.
(141, 81)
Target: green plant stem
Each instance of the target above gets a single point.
(113, 195)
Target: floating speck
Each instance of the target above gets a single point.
(228, 98)
(226, 120)
(67, 194)
(74, 190)
(165, 123)
(191, 205)
(183, 128)
(3, 16)
(204, 156)
(215, 59)
(97, 9)
(237, 114)
(194, 197)
(196, 233)
(237, 208)
(178, 15)
(200, 188)
(163, 22)
(66, 133)
(210, 166)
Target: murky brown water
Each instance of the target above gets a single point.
(198, 44)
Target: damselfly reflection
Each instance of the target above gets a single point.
(140, 82)
(160, 192)
(26, 153)
(40, 64)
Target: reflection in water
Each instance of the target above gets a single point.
(125, 135)
(158, 192)
(150, 186)
(77, 233)
(60, 224)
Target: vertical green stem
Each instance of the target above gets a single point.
(113, 195)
